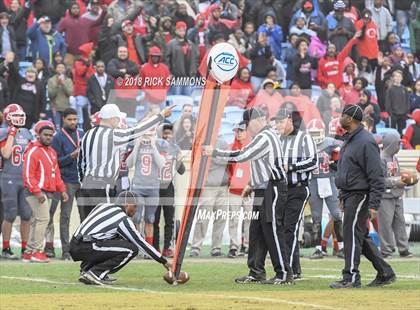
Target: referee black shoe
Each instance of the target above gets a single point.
(345, 284)
(249, 280)
(382, 280)
(109, 280)
(317, 254)
(90, 278)
(280, 281)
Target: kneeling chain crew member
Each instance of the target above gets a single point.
(361, 183)
(107, 240)
(268, 180)
(300, 159)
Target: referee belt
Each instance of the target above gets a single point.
(299, 184)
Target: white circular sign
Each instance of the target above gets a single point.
(224, 62)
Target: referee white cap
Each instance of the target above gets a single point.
(111, 110)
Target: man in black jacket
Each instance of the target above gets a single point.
(124, 71)
(99, 86)
(361, 183)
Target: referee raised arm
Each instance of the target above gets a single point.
(300, 160)
(99, 156)
(268, 181)
(107, 240)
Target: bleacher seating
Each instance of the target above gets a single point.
(234, 114)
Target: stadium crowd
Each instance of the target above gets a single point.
(63, 61)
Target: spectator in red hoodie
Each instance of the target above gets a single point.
(239, 175)
(411, 138)
(331, 66)
(350, 92)
(82, 71)
(77, 29)
(42, 178)
(368, 42)
(154, 75)
(241, 92)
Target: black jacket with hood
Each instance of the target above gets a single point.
(359, 167)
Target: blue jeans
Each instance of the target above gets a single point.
(22, 53)
(181, 90)
(81, 102)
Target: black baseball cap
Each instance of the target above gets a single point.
(253, 113)
(282, 114)
(239, 126)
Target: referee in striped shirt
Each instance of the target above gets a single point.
(107, 240)
(268, 181)
(300, 160)
(99, 156)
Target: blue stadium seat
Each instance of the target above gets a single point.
(226, 126)
(175, 115)
(316, 92)
(23, 65)
(383, 131)
(233, 114)
(196, 109)
(381, 124)
(179, 100)
(229, 137)
(131, 121)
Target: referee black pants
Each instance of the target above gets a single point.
(297, 196)
(266, 231)
(357, 240)
(89, 198)
(103, 257)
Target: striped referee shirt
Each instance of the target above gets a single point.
(100, 149)
(266, 157)
(109, 221)
(301, 156)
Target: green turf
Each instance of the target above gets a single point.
(23, 286)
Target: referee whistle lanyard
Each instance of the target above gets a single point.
(77, 143)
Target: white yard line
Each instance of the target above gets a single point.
(399, 275)
(133, 289)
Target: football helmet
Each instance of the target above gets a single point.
(14, 115)
(316, 129)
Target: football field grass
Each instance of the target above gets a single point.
(140, 286)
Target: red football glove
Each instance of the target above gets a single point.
(12, 131)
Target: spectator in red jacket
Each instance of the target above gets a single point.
(77, 29)
(267, 98)
(154, 75)
(82, 71)
(368, 42)
(411, 138)
(331, 66)
(42, 178)
(303, 104)
(239, 175)
(351, 92)
(241, 92)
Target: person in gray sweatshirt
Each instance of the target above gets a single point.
(213, 205)
(391, 213)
